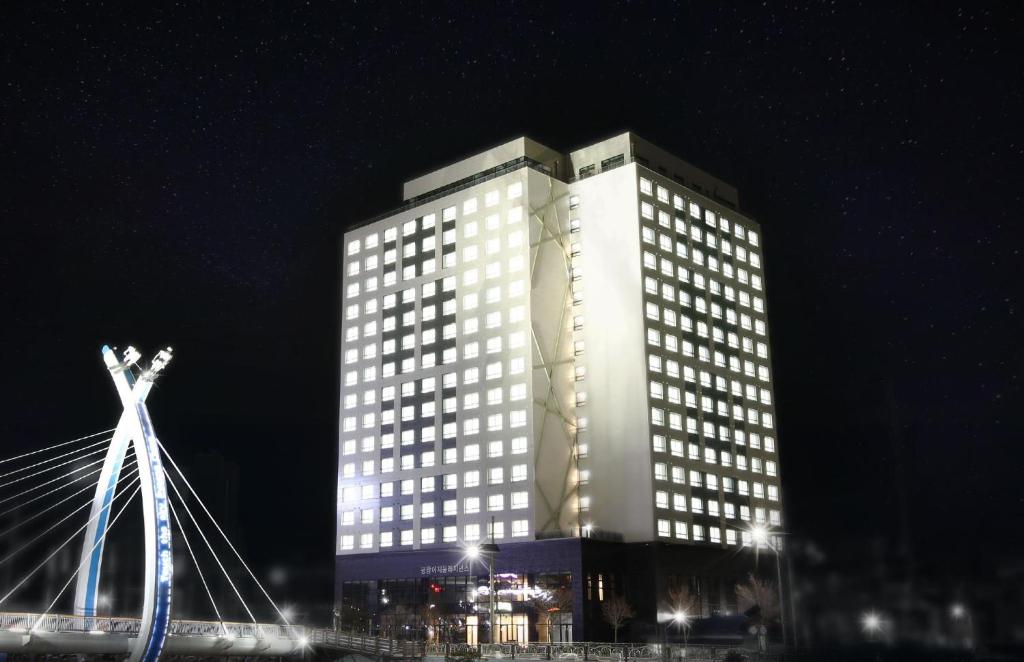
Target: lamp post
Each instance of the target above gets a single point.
(761, 538)
(488, 551)
(682, 621)
(962, 617)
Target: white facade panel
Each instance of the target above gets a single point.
(616, 435)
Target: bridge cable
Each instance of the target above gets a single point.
(57, 457)
(52, 480)
(87, 559)
(223, 535)
(28, 544)
(64, 500)
(202, 578)
(188, 511)
(46, 494)
(56, 466)
(50, 448)
(56, 551)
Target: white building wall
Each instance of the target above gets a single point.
(571, 293)
(616, 436)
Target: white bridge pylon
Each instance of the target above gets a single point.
(135, 428)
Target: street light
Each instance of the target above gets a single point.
(682, 621)
(761, 538)
(487, 551)
(872, 624)
(963, 624)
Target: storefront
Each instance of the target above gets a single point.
(547, 591)
(443, 597)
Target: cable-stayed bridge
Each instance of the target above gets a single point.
(84, 486)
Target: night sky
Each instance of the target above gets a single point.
(182, 176)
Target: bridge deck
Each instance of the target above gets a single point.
(61, 633)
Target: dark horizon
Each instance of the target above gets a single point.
(183, 176)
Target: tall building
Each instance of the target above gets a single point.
(567, 353)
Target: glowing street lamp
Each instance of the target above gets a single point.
(871, 622)
(682, 621)
(958, 611)
(760, 535)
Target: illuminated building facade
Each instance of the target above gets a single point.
(567, 353)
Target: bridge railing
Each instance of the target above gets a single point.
(55, 623)
(365, 643)
(589, 651)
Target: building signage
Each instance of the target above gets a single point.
(444, 569)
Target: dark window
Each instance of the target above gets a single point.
(613, 162)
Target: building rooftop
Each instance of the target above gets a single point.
(567, 166)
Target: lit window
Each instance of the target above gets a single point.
(520, 500)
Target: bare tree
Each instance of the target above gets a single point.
(550, 607)
(431, 617)
(759, 593)
(616, 611)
